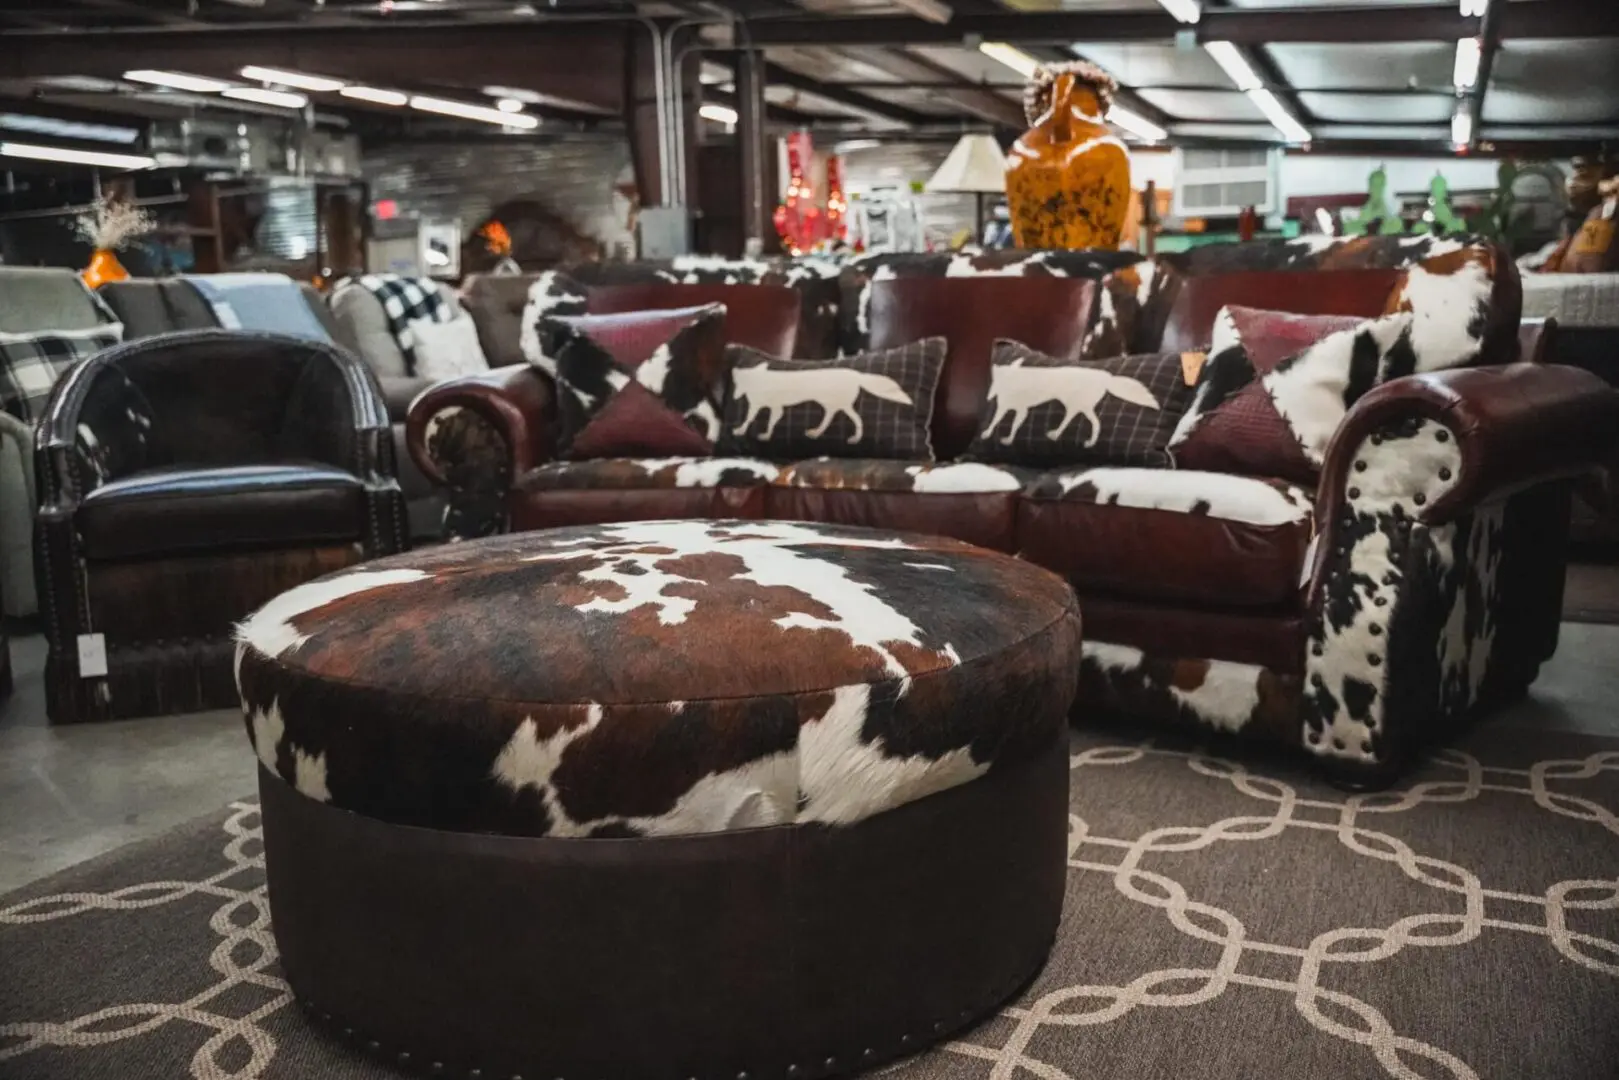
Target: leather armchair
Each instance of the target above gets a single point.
(186, 479)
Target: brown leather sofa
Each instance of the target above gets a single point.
(185, 480)
(1355, 619)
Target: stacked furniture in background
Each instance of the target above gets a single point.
(186, 479)
(363, 325)
(1586, 308)
(151, 306)
(33, 301)
(1403, 574)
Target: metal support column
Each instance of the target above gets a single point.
(754, 147)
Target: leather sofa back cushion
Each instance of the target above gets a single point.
(1043, 312)
(1190, 326)
(763, 317)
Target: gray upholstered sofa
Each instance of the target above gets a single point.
(31, 299)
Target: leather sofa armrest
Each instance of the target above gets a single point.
(1431, 447)
(399, 391)
(514, 402)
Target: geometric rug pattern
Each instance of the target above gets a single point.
(1226, 918)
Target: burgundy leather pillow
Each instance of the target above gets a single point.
(1259, 360)
(1044, 312)
(763, 317)
(639, 384)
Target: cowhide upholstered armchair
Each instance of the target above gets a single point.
(186, 479)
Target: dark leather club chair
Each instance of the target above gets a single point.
(185, 479)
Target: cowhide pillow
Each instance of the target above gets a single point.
(552, 295)
(872, 405)
(1276, 386)
(1044, 411)
(640, 384)
(1449, 297)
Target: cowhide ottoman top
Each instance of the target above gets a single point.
(658, 678)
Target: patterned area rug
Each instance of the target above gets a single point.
(1224, 921)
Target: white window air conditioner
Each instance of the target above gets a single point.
(1222, 183)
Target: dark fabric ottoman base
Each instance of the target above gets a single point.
(764, 954)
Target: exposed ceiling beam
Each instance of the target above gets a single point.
(974, 100)
(781, 114)
(1489, 43)
(776, 75)
(1244, 26)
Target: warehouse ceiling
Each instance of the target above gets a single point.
(1389, 76)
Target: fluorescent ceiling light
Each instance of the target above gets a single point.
(281, 99)
(374, 95)
(1014, 58)
(1136, 124)
(722, 114)
(1461, 126)
(464, 111)
(1280, 118)
(1468, 56)
(1236, 65)
(849, 146)
(68, 129)
(76, 157)
(509, 105)
(1475, 8)
(1187, 11)
(320, 84)
(177, 81)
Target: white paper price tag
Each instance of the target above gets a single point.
(92, 656)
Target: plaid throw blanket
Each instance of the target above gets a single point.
(404, 300)
(30, 364)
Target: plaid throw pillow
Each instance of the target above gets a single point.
(1276, 386)
(642, 384)
(407, 300)
(31, 364)
(873, 405)
(1044, 411)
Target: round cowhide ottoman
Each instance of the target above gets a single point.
(664, 800)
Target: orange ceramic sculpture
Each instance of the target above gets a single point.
(104, 267)
(1068, 177)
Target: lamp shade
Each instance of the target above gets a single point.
(975, 164)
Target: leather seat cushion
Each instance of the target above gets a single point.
(659, 678)
(180, 510)
(1170, 534)
(643, 474)
(601, 491)
(966, 501)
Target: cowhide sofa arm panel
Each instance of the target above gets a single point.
(475, 436)
(1513, 426)
(1437, 576)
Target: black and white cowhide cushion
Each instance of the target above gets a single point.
(659, 678)
(873, 405)
(1046, 411)
(1276, 386)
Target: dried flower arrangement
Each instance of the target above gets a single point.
(1037, 91)
(109, 224)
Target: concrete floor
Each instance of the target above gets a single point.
(71, 793)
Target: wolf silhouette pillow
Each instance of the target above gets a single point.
(1043, 410)
(873, 405)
